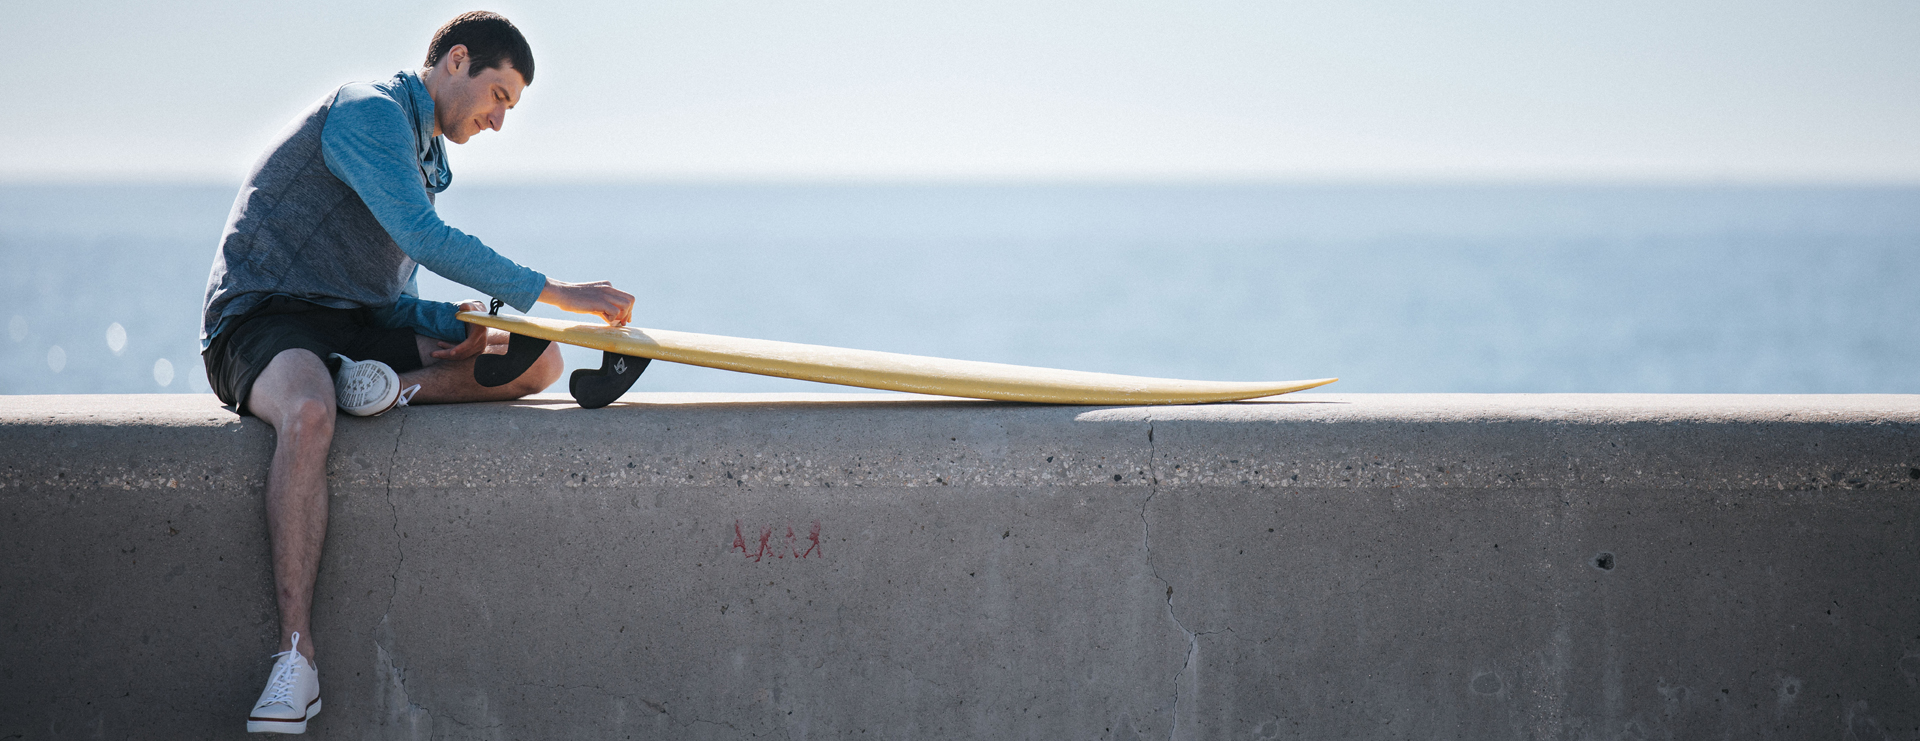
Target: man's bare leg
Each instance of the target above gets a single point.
(451, 381)
(295, 395)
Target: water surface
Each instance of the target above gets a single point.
(1392, 288)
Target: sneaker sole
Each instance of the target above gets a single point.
(388, 408)
(285, 726)
(366, 409)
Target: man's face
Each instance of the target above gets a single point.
(462, 105)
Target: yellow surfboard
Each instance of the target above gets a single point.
(884, 370)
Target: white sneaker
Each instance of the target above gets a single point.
(365, 388)
(292, 695)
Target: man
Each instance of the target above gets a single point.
(312, 301)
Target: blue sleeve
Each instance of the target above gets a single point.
(436, 319)
(368, 142)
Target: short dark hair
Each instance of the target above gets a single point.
(491, 40)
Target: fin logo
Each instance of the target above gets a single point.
(620, 367)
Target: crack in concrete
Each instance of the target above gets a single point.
(915, 676)
(1153, 457)
(596, 688)
(397, 695)
(400, 708)
(1193, 639)
(571, 687)
(393, 579)
(657, 707)
(456, 721)
(651, 705)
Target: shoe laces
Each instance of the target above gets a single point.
(406, 395)
(280, 685)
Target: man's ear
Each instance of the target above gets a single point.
(457, 58)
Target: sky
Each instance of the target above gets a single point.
(1479, 90)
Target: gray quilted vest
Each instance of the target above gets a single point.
(296, 229)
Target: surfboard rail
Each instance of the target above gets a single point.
(887, 371)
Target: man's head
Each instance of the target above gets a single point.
(477, 66)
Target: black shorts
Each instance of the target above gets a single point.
(236, 356)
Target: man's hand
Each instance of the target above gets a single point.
(475, 343)
(598, 298)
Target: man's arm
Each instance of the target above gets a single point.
(431, 318)
(599, 298)
(460, 340)
(368, 143)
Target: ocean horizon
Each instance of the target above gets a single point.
(1391, 287)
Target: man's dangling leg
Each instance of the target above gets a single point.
(295, 395)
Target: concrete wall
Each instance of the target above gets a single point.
(1473, 567)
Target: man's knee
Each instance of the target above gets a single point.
(308, 417)
(294, 394)
(544, 372)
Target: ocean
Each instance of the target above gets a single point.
(1392, 288)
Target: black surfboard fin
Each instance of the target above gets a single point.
(597, 388)
(500, 370)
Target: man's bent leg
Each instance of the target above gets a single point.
(451, 381)
(295, 395)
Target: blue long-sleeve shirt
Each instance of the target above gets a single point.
(379, 140)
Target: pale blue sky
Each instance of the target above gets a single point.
(1401, 89)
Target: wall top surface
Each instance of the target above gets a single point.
(1415, 441)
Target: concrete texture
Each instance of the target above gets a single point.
(1332, 566)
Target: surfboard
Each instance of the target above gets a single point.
(864, 368)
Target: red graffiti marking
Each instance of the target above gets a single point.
(813, 536)
(740, 541)
(767, 548)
